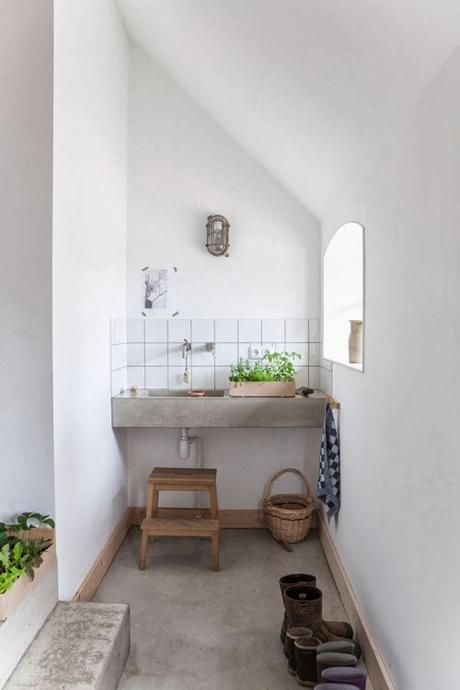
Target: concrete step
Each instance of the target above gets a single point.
(82, 646)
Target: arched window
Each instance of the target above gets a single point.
(343, 296)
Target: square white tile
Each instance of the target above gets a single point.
(226, 353)
(314, 377)
(314, 354)
(273, 330)
(325, 381)
(243, 351)
(136, 377)
(135, 330)
(250, 330)
(119, 381)
(118, 332)
(135, 354)
(178, 330)
(200, 356)
(314, 327)
(301, 377)
(156, 377)
(119, 356)
(302, 350)
(226, 330)
(202, 330)
(274, 347)
(297, 330)
(156, 354)
(222, 374)
(176, 378)
(156, 331)
(175, 355)
(202, 377)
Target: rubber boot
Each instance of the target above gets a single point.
(293, 634)
(293, 579)
(337, 629)
(332, 660)
(345, 674)
(304, 607)
(305, 655)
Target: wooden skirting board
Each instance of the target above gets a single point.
(372, 656)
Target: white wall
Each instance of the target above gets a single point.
(26, 140)
(89, 271)
(182, 167)
(398, 527)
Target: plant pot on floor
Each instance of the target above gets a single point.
(262, 389)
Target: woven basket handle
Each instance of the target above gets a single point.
(279, 474)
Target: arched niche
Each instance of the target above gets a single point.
(343, 297)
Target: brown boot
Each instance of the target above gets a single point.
(304, 607)
(293, 579)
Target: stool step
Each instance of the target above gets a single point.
(182, 475)
(179, 526)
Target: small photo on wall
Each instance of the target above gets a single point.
(158, 290)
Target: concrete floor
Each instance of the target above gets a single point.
(197, 630)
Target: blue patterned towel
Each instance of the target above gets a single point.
(329, 466)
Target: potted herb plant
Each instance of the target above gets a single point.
(25, 546)
(274, 377)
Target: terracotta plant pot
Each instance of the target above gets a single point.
(262, 389)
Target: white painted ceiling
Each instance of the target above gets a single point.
(308, 87)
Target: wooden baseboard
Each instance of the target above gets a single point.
(229, 519)
(372, 656)
(94, 578)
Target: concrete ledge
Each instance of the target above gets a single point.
(215, 412)
(81, 645)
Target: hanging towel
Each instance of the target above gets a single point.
(329, 466)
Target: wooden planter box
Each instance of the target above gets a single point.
(10, 601)
(262, 389)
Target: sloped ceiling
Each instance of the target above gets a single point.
(309, 88)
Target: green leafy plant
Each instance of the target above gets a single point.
(20, 551)
(277, 366)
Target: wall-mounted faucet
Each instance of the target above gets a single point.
(210, 347)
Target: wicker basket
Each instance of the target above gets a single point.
(288, 516)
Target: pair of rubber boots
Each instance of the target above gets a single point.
(303, 605)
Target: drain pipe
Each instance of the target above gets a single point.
(185, 443)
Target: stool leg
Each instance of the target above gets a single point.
(215, 551)
(212, 491)
(153, 508)
(143, 551)
(152, 501)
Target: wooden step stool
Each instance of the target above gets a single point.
(180, 479)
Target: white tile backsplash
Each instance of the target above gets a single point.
(200, 356)
(222, 374)
(301, 378)
(136, 377)
(176, 378)
(203, 377)
(135, 354)
(314, 354)
(314, 330)
(273, 330)
(156, 354)
(297, 330)
(156, 377)
(156, 331)
(302, 350)
(202, 330)
(178, 330)
(135, 331)
(226, 353)
(175, 355)
(226, 330)
(148, 352)
(250, 330)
